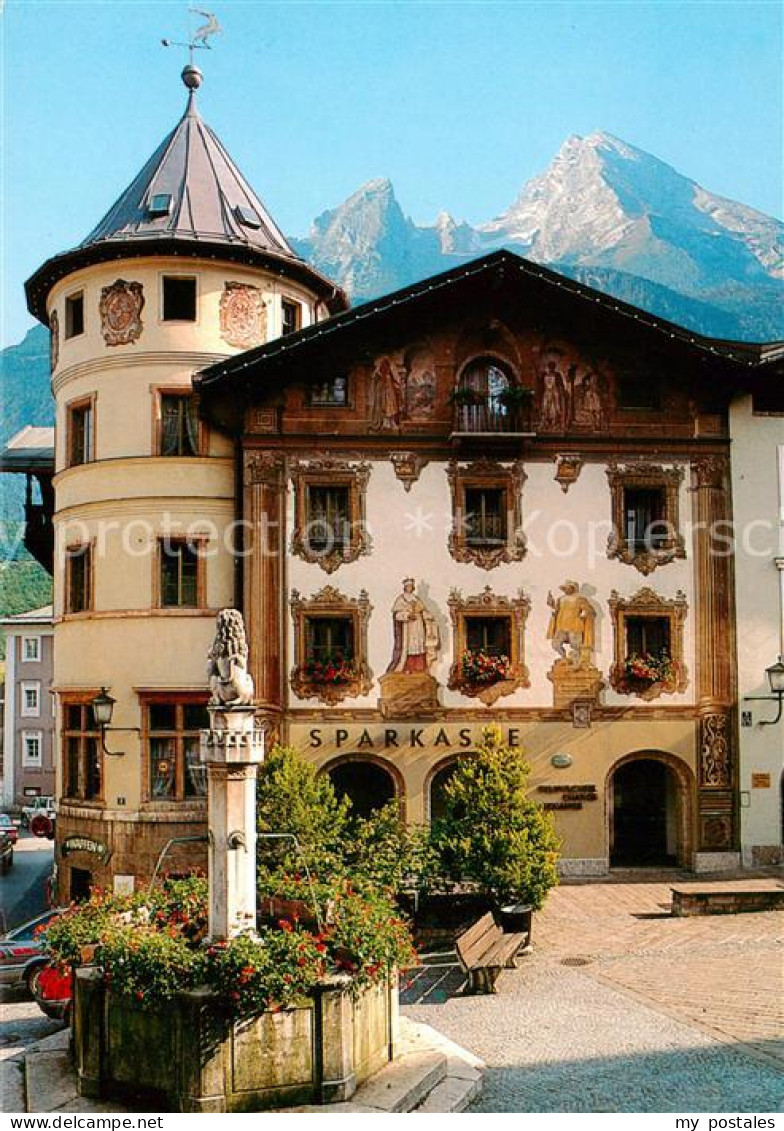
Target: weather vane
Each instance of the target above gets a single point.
(197, 38)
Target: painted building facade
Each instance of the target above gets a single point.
(541, 476)
(494, 497)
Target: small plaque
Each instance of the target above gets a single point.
(760, 781)
(745, 718)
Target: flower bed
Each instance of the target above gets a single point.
(150, 945)
(157, 984)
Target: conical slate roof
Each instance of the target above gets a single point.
(189, 199)
(203, 190)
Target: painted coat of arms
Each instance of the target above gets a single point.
(243, 317)
(120, 309)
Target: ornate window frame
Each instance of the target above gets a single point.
(647, 603)
(645, 476)
(487, 474)
(489, 604)
(330, 602)
(329, 472)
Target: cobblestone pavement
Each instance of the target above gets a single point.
(21, 1024)
(623, 1008)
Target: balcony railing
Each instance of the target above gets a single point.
(493, 420)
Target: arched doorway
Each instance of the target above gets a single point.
(439, 780)
(649, 812)
(368, 785)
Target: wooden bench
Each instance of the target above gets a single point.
(485, 950)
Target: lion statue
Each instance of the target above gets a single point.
(227, 663)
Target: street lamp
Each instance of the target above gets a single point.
(775, 674)
(103, 709)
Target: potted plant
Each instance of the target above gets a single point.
(516, 396)
(463, 396)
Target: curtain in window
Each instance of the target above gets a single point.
(93, 768)
(328, 517)
(163, 754)
(191, 427)
(195, 770)
(170, 426)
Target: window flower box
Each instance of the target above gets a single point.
(643, 673)
(479, 668)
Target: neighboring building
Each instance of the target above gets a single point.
(29, 745)
(757, 431)
(489, 497)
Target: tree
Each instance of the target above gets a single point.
(386, 852)
(491, 834)
(292, 798)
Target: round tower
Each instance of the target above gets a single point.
(186, 268)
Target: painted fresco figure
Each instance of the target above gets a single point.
(572, 622)
(553, 408)
(387, 392)
(416, 636)
(589, 409)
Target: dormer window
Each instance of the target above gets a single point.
(160, 205)
(248, 217)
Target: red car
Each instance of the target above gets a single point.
(9, 826)
(53, 991)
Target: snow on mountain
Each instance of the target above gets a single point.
(602, 207)
(604, 202)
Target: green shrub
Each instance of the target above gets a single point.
(292, 798)
(382, 850)
(491, 834)
(147, 963)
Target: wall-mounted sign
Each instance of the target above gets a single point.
(85, 844)
(760, 781)
(571, 796)
(435, 736)
(561, 761)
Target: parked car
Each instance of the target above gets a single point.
(6, 852)
(10, 826)
(37, 805)
(21, 951)
(53, 991)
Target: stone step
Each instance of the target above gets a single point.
(453, 1094)
(402, 1085)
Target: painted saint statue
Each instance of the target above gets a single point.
(415, 632)
(572, 621)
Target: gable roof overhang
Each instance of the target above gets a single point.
(352, 335)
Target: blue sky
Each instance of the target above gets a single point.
(458, 103)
